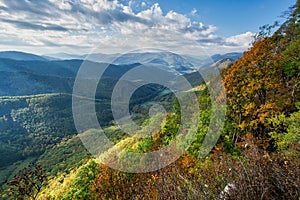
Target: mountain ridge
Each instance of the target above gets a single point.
(21, 56)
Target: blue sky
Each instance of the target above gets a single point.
(117, 26)
(232, 16)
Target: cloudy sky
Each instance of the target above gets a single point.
(117, 26)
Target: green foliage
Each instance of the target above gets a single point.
(231, 147)
(75, 185)
(286, 130)
(204, 118)
(62, 158)
(145, 145)
(115, 134)
(31, 124)
(80, 187)
(170, 128)
(203, 126)
(291, 59)
(229, 137)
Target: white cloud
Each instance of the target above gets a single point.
(63, 5)
(241, 40)
(56, 25)
(194, 11)
(143, 4)
(153, 13)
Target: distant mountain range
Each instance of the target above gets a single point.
(170, 61)
(232, 56)
(140, 57)
(16, 55)
(40, 77)
(29, 74)
(145, 57)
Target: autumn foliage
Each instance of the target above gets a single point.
(265, 81)
(28, 183)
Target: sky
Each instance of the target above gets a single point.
(118, 26)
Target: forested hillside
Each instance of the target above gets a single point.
(257, 155)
